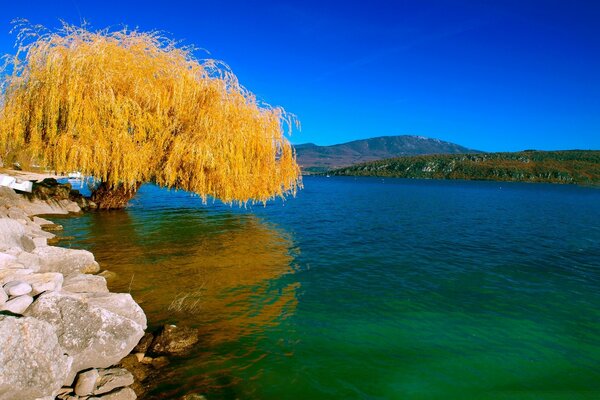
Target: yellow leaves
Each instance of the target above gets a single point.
(129, 107)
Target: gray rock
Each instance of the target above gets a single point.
(85, 283)
(121, 394)
(86, 382)
(66, 261)
(18, 305)
(17, 288)
(38, 368)
(47, 281)
(175, 340)
(113, 378)
(96, 332)
(12, 234)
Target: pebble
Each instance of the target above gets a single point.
(17, 288)
(18, 305)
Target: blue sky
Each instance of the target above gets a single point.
(489, 75)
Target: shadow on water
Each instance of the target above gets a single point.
(228, 274)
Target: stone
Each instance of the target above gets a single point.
(17, 288)
(174, 340)
(3, 297)
(113, 378)
(6, 260)
(38, 368)
(86, 382)
(40, 242)
(160, 362)
(192, 396)
(12, 234)
(41, 221)
(96, 331)
(66, 261)
(108, 275)
(139, 371)
(44, 282)
(147, 360)
(85, 283)
(13, 274)
(144, 343)
(121, 394)
(18, 305)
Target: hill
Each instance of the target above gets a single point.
(573, 166)
(314, 158)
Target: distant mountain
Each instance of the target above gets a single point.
(572, 166)
(314, 158)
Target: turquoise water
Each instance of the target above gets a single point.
(368, 289)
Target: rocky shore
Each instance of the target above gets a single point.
(62, 333)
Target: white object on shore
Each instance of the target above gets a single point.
(11, 182)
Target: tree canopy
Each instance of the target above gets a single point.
(128, 107)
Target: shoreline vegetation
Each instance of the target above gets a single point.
(568, 167)
(63, 334)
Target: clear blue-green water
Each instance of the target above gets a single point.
(368, 289)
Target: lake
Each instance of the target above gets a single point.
(368, 288)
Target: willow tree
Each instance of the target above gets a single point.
(128, 107)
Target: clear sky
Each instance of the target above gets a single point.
(489, 75)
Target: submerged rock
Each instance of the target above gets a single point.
(32, 363)
(125, 393)
(174, 340)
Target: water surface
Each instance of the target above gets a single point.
(368, 289)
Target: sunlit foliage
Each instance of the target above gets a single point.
(128, 107)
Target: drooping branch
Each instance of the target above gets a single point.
(128, 107)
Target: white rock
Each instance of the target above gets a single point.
(86, 382)
(18, 305)
(17, 288)
(85, 283)
(65, 261)
(3, 296)
(97, 331)
(46, 281)
(6, 260)
(32, 363)
(40, 242)
(42, 221)
(13, 274)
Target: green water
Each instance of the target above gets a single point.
(368, 289)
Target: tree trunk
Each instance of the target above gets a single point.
(111, 198)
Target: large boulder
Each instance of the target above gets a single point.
(12, 234)
(32, 363)
(66, 261)
(97, 331)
